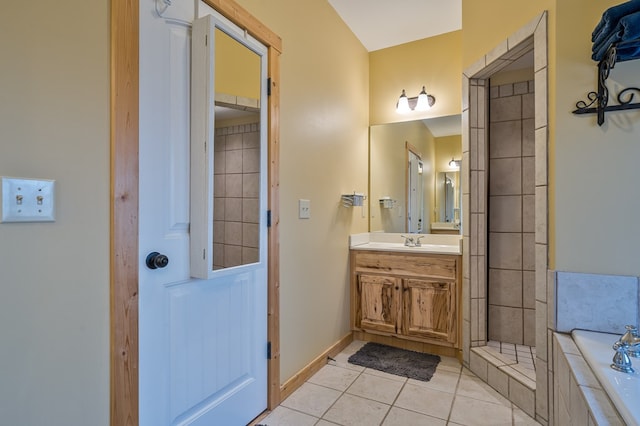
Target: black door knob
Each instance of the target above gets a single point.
(156, 260)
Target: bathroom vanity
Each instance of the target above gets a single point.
(407, 296)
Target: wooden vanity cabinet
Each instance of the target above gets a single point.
(406, 295)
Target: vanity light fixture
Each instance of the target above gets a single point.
(422, 102)
(455, 163)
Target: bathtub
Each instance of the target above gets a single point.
(622, 388)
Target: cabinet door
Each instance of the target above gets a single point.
(429, 310)
(379, 303)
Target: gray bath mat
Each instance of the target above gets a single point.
(401, 362)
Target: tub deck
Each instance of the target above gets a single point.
(622, 388)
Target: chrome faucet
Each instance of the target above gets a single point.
(408, 241)
(418, 244)
(628, 345)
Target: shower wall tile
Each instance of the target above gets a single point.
(505, 288)
(234, 161)
(506, 323)
(473, 153)
(250, 160)
(529, 289)
(528, 213)
(529, 327)
(251, 140)
(482, 184)
(528, 138)
(528, 176)
(250, 255)
(541, 156)
(219, 162)
(232, 256)
(506, 176)
(505, 109)
(250, 210)
(232, 209)
(236, 191)
(506, 90)
(250, 185)
(541, 214)
(234, 141)
(233, 185)
(528, 252)
(528, 106)
(505, 214)
(250, 235)
(506, 139)
(604, 303)
(521, 88)
(540, 101)
(505, 251)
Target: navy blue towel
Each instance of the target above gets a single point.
(627, 29)
(610, 19)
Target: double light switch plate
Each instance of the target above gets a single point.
(27, 200)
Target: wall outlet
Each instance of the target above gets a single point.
(27, 200)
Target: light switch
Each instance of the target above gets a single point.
(304, 209)
(27, 200)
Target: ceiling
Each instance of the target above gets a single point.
(379, 24)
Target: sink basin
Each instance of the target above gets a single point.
(424, 248)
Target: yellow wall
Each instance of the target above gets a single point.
(597, 199)
(324, 132)
(447, 147)
(433, 62)
(54, 277)
(236, 68)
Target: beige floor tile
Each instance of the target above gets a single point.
(342, 360)
(448, 363)
(378, 388)
(473, 387)
(283, 416)
(351, 410)
(385, 375)
(312, 399)
(442, 380)
(520, 418)
(333, 377)
(469, 411)
(426, 401)
(401, 417)
(325, 423)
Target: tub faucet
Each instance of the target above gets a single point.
(631, 337)
(627, 345)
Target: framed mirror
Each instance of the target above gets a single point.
(405, 162)
(228, 149)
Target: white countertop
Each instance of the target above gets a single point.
(430, 243)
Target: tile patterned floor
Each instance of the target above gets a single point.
(523, 356)
(350, 395)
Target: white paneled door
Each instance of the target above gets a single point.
(202, 342)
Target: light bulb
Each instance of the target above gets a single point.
(403, 104)
(423, 101)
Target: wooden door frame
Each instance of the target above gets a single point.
(124, 258)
